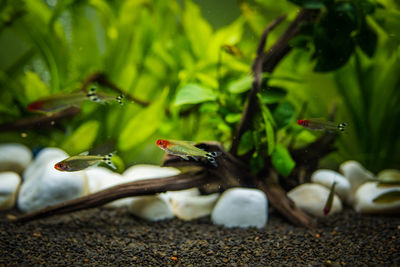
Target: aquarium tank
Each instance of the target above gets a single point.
(295, 102)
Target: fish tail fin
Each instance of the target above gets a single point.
(214, 154)
(92, 95)
(107, 160)
(342, 126)
(211, 157)
(120, 99)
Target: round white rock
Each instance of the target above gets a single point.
(327, 177)
(192, 207)
(357, 175)
(241, 207)
(368, 192)
(48, 186)
(311, 198)
(14, 157)
(9, 185)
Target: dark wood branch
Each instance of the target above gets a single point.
(137, 188)
(250, 108)
(103, 80)
(41, 121)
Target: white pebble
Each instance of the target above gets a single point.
(311, 198)
(368, 192)
(46, 186)
(193, 207)
(241, 207)
(327, 177)
(144, 171)
(14, 157)
(357, 175)
(9, 185)
(152, 208)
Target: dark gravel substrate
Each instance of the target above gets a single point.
(104, 237)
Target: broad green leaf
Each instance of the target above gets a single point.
(282, 161)
(82, 139)
(240, 86)
(34, 87)
(143, 124)
(367, 40)
(272, 95)
(194, 94)
(388, 197)
(233, 118)
(283, 114)
(246, 143)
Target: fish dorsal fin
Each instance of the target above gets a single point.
(85, 153)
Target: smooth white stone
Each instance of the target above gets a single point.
(152, 208)
(144, 171)
(327, 177)
(42, 158)
(49, 186)
(365, 195)
(312, 198)
(357, 175)
(9, 185)
(389, 176)
(191, 192)
(14, 157)
(193, 207)
(241, 207)
(100, 178)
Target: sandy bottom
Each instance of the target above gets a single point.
(104, 237)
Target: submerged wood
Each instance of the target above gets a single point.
(137, 188)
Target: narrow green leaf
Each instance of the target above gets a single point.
(388, 197)
(143, 124)
(246, 143)
(82, 139)
(282, 161)
(272, 95)
(194, 94)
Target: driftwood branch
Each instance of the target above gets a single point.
(250, 108)
(41, 121)
(137, 188)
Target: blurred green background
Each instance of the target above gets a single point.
(192, 61)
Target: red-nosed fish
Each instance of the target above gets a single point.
(186, 149)
(320, 124)
(80, 162)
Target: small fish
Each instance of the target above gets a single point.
(233, 50)
(80, 162)
(320, 124)
(186, 149)
(55, 103)
(329, 201)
